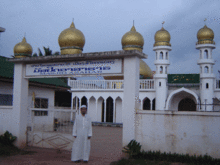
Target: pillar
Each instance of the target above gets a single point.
(20, 105)
(131, 98)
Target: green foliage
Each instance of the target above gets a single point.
(47, 52)
(174, 157)
(133, 148)
(40, 53)
(34, 55)
(7, 139)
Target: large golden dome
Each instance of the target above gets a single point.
(71, 40)
(162, 38)
(145, 72)
(132, 40)
(205, 36)
(22, 49)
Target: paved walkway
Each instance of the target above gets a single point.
(106, 146)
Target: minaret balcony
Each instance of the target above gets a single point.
(206, 61)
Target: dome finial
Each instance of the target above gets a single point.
(72, 24)
(133, 27)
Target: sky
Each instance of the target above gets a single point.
(103, 24)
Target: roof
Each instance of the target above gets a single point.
(183, 78)
(7, 71)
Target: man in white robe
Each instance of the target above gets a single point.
(82, 131)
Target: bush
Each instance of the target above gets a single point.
(133, 148)
(7, 139)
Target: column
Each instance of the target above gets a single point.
(105, 104)
(20, 105)
(131, 98)
(114, 119)
(71, 114)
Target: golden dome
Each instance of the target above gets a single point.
(162, 38)
(22, 49)
(132, 40)
(205, 36)
(71, 40)
(145, 72)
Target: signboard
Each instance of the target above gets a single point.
(183, 78)
(112, 66)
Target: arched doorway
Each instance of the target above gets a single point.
(154, 103)
(109, 109)
(187, 104)
(146, 104)
(84, 101)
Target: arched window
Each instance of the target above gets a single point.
(161, 55)
(159, 84)
(146, 104)
(207, 85)
(206, 55)
(200, 54)
(161, 70)
(166, 70)
(166, 55)
(200, 69)
(156, 56)
(206, 69)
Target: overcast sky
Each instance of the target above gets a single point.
(104, 22)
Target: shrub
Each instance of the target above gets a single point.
(7, 139)
(133, 148)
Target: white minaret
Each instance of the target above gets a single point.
(162, 47)
(207, 78)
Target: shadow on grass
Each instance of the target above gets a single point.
(10, 150)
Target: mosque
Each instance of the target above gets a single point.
(158, 90)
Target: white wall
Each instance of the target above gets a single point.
(180, 132)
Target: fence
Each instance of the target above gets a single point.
(52, 120)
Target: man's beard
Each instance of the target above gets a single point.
(83, 113)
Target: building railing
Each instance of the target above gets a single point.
(107, 84)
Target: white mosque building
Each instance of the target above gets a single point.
(158, 90)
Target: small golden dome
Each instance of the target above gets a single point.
(22, 49)
(205, 36)
(132, 40)
(145, 72)
(162, 38)
(71, 40)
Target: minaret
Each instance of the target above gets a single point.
(207, 78)
(162, 47)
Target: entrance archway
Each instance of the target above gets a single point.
(182, 99)
(187, 104)
(109, 109)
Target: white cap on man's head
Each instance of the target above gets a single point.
(83, 106)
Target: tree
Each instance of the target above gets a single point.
(47, 52)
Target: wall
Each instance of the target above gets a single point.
(179, 132)
(6, 112)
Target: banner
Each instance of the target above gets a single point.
(75, 68)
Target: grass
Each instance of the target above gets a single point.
(139, 162)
